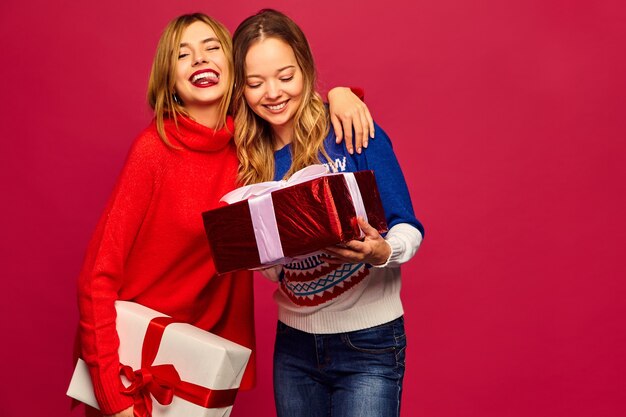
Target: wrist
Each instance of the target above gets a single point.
(385, 256)
(335, 90)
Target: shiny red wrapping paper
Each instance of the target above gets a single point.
(310, 216)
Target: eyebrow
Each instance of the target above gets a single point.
(279, 70)
(207, 40)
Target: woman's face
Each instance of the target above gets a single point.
(274, 82)
(202, 68)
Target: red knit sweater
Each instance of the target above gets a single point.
(150, 247)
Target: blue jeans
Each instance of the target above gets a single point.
(355, 374)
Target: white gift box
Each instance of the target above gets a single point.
(199, 357)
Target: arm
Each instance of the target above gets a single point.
(396, 248)
(347, 112)
(404, 240)
(390, 181)
(102, 278)
(406, 232)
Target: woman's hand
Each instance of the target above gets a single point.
(124, 413)
(373, 250)
(347, 112)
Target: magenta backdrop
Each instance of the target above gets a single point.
(507, 117)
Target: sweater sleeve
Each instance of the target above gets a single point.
(102, 274)
(404, 240)
(405, 230)
(394, 193)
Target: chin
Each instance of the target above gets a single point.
(278, 121)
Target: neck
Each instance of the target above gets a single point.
(283, 135)
(205, 115)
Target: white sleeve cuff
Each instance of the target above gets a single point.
(404, 240)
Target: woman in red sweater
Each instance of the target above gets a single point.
(149, 245)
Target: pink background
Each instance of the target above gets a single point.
(508, 118)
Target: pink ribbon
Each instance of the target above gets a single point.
(254, 190)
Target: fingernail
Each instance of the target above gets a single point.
(365, 144)
(359, 150)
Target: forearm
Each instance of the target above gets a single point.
(404, 240)
(103, 276)
(99, 339)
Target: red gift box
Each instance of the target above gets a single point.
(303, 217)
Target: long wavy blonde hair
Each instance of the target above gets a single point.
(253, 135)
(161, 87)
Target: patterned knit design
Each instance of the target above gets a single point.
(311, 281)
(316, 297)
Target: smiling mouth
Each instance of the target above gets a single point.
(276, 107)
(204, 78)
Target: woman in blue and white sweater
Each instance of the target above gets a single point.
(340, 340)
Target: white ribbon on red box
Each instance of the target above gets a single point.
(262, 208)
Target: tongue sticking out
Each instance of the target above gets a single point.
(204, 79)
(204, 82)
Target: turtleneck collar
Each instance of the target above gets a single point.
(198, 137)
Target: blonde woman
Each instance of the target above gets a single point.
(149, 246)
(340, 339)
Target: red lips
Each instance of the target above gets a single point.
(204, 78)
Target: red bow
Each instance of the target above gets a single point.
(163, 382)
(159, 380)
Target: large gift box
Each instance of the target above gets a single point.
(273, 222)
(171, 369)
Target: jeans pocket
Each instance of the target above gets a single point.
(401, 350)
(378, 339)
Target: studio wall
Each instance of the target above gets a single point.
(508, 121)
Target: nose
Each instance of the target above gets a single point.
(199, 58)
(273, 90)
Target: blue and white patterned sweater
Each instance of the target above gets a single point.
(317, 297)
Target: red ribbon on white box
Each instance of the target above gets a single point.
(262, 208)
(163, 382)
